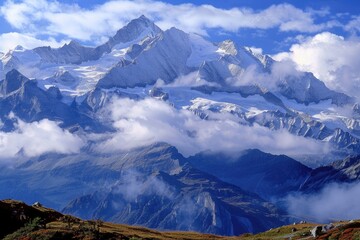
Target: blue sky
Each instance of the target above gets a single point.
(272, 39)
(350, 6)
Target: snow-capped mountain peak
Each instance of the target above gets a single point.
(135, 29)
(73, 44)
(228, 47)
(140, 53)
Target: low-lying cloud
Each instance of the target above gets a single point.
(334, 202)
(133, 184)
(141, 123)
(36, 138)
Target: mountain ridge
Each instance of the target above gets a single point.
(145, 28)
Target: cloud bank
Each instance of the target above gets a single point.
(331, 58)
(141, 123)
(53, 18)
(334, 202)
(36, 138)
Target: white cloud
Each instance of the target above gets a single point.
(36, 138)
(334, 202)
(54, 18)
(189, 80)
(141, 123)
(353, 25)
(332, 58)
(11, 40)
(254, 75)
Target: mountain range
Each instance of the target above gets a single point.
(174, 132)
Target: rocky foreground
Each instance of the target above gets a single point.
(20, 221)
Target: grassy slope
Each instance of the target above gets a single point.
(57, 226)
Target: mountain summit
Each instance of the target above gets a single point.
(136, 29)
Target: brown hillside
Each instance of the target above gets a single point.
(20, 221)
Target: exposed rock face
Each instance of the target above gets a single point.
(158, 94)
(69, 53)
(316, 231)
(13, 82)
(30, 103)
(343, 171)
(282, 117)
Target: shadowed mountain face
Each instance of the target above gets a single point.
(157, 187)
(190, 200)
(275, 176)
(30, 103)
(265, 174)
(342, 171)
(152, 186)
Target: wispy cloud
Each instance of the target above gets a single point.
(353, 25)
(334, 202)
(133, 184)
(144, 122)
(52, 18)
(11, 40)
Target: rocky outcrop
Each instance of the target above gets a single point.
(27, 101)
